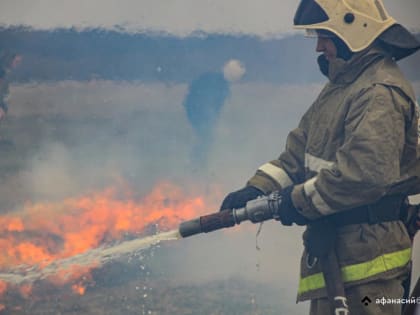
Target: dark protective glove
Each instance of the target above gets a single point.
(239, 198)
(288, 213)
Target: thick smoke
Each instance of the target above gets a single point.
(72, 137)
(77, 137)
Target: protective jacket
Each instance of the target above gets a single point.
(356, 139)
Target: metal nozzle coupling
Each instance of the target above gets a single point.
(261, 209)
(257, 210)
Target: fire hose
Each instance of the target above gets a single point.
(259, 210)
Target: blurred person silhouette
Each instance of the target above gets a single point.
(8, 61)
(203, 103)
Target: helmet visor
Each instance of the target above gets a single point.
(319, 33)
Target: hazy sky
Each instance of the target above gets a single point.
(181, 17)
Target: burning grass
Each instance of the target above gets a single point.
(61, 242)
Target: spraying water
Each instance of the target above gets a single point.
(95, 257)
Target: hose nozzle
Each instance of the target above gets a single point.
(256, 210)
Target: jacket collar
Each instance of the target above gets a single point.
(343, 72)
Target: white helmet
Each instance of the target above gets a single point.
(356, 22)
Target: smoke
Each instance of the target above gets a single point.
(72, 137)
(79, 136)
(75, 137)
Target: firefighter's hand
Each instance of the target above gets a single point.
(239, 198)
(288, 213)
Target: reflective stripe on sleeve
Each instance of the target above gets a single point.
(316, 164)
(317, 201)
(277, 174)
(360, 271)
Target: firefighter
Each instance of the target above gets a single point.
(358, 138)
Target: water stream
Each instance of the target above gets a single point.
(95, 257)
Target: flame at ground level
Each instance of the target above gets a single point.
(42, 239)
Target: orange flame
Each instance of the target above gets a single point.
(78, 288)
(46, 232)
